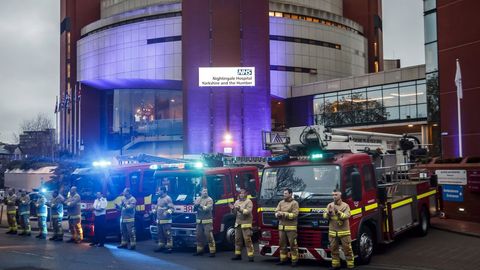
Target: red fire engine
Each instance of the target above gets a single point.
(111, 180)
(184, 182)
(383, 199)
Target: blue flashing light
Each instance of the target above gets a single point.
(102, 163)
(154, 167)
(43, 190)
(279, 158)
(198, 165)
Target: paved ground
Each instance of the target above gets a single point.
(438, 250)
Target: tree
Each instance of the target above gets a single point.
(38, 123)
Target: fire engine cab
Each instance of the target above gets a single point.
(184, 182)
(313, 161)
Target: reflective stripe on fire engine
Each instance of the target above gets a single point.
(310, 210)
(356, 211)
(430, 193)
(266, 209)
(371, 206)
(287, 228)
(204, 221)
(402, 203)
(224, 201)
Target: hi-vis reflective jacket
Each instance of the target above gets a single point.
(73, 206)
(128, 209)
(338, 222)
(204, 210)
(289, 209)
(24, 205)
(243, 212)
(41, 206)
(165, 209)
(10, 201)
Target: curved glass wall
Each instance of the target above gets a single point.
(373, 105)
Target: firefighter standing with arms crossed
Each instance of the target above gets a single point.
(204, 208)
(11, 201)
(56, 210)
(127, 220)
(242, 209)
(338, 214)
(42, 216)
(287, 214)
(164, 209)
(74, 216)
(24, 213)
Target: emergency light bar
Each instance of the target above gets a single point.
(196, 165)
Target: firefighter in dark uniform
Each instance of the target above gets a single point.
(56, 210)
(74, 215)
(42, 216)
(164, 209)
(11, 201)
(24, 213)
(127, 220)
(242, 209)
(204, 208)
(287, 214)
(338, 214)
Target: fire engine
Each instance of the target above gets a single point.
(313, 161)
(111, 181)
(184, 181)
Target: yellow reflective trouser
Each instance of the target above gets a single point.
(346, 243)
(165, 235)
(42, 225)
(57, 227)
(128, 234)
(243, 235)
(12, 221)
(76, 230)
(25, 223)
(288, 237)
(205, 232)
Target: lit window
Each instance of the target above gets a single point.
(295, 17)
(278, 14)
(309, 19)
(376, 66)
(68, 71)
(271, 13)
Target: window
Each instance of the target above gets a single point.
(370, 181)
(408, 112)
(246, 180)
(431, 61)
(421, 93)
(390, 97)
(430, 21)
(134, 183)
(348, 180)
(149, 184)
(215, 185)
(115, 186)
(408, 95)
(392, 113)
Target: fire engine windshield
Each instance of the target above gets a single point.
(183, 188)
(307, 182)
(88, 185)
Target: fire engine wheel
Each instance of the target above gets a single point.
(424, 223)
(365, 245)
(229, 236)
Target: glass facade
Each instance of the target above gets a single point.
(147, 112)
(372, 105)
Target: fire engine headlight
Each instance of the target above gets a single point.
(266, 234)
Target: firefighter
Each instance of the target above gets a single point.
(127, 220)
(287, 214)
(164, 211)
(338, 214)
(24, 213)
(242, 209)
(56, 211)
(11, 201)
(204, 208)
(74, 215)
(42, 213)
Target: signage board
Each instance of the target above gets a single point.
(226, 76)
(451, 177)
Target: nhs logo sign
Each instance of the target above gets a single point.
(226, 76)
(244, 71)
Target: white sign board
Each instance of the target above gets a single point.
(226, 76)
(451, 177)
